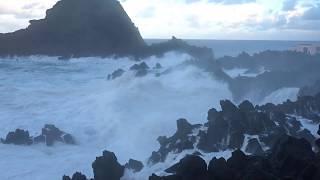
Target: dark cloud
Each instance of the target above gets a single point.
(225, 1)
(289, 5)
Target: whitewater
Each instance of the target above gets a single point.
(125, 115)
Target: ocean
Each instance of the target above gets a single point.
(125, 115)
(234, 47)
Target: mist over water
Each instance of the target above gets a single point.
(125, 115)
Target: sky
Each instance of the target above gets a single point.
(197, 19)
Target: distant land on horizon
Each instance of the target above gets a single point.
(235, 47)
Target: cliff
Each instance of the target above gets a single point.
(77, 28)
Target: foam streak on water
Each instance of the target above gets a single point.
(125, 115)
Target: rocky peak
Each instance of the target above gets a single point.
(77, 28)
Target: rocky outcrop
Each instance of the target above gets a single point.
(183, 139)
(305, 106)
(291, 158)
(190, 167)
(77, 28)
(75, 176)
(49, 135)
(253, 129)
(134, 165)
(117, 73)
(140, 69)
(276, 70)
(18, 137)
(107, 167)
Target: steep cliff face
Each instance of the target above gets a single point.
(77, 28)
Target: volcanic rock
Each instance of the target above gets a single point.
(107, 167)
(134, 165)
(18, 137)
(77, 28)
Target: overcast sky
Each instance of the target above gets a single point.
(202, 19)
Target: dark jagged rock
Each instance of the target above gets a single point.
(306, 106)
(75, 176)
(107, 167)
(140, 69)
(278, 69)
(159, 49)
(238, 160)
(246, 106)
(291, 158)
(190, 168)
(181, 140)
(18, 137)
(219, 170)
(226, 129)
(77, 28)
(51, 134)
(171, 177)
(117, 73)
(134, 165)
(254, 147)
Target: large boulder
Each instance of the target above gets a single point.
(77, 28)
(107, 167)
(190, 167)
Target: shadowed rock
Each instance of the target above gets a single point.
(190, 167)
(254, 147)
(117, 73)
(18, 137)
(75, 176)
(77, 28)
(140, 69)
(107, 167)
(134, 165)
(51, 134)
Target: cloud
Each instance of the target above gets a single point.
(289, 5)
(313, 13)
(218, 19)
(224, 1)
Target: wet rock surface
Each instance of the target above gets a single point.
(291, 158)
(134, 165)
(228, 128)
(117, 73)
(18, 137)
(107, 167)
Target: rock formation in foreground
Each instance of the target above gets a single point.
(269, 142)
(77, 28)
(254, 129)
(290, 158)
